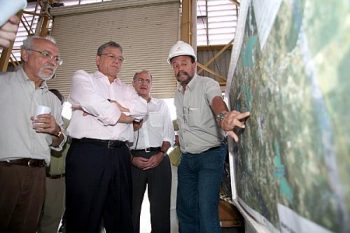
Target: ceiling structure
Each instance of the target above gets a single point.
(197, 22)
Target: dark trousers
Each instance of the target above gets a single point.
(98, 187)
(22, 191)
(159, 188)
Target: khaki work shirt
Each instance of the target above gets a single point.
(198, 129)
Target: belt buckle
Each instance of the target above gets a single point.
(147, 149)
(110, 144)
(29, 163)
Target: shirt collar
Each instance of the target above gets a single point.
(25, 77)
(153, 100)
(44, 86)
(98, 74)
(190, 85)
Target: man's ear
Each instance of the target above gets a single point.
(98, 60)
(24, 55)
(194, 65)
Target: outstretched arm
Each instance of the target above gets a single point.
(228, 120)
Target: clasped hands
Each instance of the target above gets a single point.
(146, 164)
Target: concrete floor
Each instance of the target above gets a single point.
(145, 226)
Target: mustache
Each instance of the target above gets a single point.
(53, 67)
(182, 73)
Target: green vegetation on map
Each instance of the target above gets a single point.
(295, 149)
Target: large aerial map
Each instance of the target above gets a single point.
(292, 163)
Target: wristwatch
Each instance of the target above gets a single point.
(59, 133)
(220, 116)
(164, 152)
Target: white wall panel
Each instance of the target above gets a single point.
(145, 29)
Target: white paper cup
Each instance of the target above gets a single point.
(42, 109)
(9, 8)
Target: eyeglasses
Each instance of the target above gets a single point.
(141, 81)
(48, 55)
(114, 58)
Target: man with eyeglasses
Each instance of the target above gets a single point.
(151, 165)
(98, 166)
(25, 140)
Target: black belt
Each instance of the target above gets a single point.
(25, 162)
(55, 176)
(107, 143)
(148, 149)
(214, 148)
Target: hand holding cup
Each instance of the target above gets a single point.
(42, 118)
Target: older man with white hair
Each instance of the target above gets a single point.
(25, 140)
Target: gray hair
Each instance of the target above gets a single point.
(142, 72)
(28, 43)
(108, 44)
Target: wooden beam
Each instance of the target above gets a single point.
(186, 21)
(212, 47)
(44, 30)
(217, 55)
(6, 52)
(221, 79)
(5, 57)
(236, 2)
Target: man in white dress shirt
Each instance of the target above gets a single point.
(151, 165)
(98, 167)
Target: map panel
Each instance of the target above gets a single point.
(295, 149)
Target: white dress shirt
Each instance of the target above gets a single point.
(18, 101)
(92, 93)
(156, 128)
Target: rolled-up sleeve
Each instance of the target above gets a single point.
(212, 90)
(57, 114)
(168, 129)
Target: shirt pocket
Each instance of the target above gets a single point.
(194, 116)
(155, 119)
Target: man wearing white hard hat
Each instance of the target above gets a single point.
(203, 119)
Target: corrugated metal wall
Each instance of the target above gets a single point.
(216, 21)
(145, 29)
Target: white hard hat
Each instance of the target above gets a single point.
(179, 49)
